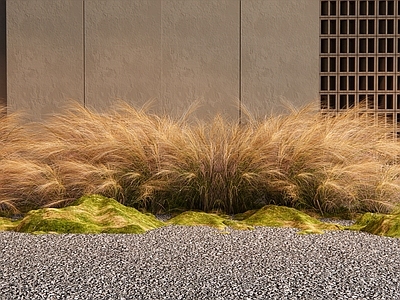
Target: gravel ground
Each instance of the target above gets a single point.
(338, 221)
(177, 262)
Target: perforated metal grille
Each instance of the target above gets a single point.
(360, 57)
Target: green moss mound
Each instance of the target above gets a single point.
(193, 218)
(281, 216)
(97, 214)
(89, 214)
(379, 224)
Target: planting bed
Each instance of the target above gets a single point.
(98, 214)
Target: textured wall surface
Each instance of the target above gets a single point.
(280, 49)
(44, 55)
(123, 52)
(174, 52)
(200, 55)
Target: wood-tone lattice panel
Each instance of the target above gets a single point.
(360, 57)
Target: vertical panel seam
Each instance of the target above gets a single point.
(240, 62)
(84, 51)
(5, 58)
(161, 57)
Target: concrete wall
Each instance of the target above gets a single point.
(123, 52)
(200, 55)
(280, 50)
(44, 55)
(174, 52)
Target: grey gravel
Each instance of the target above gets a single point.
(338, 221)
(163, 217)
(177, 262)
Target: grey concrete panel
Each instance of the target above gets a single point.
(200, 56)
(3, 55)
(123, 52)
(279, 54)
(44, 55)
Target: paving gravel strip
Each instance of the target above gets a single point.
(176, 262)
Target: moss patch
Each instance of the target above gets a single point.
(270, 215)
(193, 218)
(6, 224)
(379, 224)
(89, 214)
(280, 216)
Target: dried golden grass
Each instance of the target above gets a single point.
(302, 159)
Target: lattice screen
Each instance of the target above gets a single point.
(360, 57)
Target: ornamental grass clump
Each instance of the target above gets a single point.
(215, 166)
(334, 163)
(302, 159)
